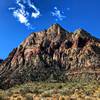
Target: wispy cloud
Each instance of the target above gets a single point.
(35, 14)
(58, 14)
(12, 8)
(25, 11)
(22, 14)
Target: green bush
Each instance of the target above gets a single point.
(29, 97)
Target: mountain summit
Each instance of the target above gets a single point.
(53, 55)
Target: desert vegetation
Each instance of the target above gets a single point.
(74, 90)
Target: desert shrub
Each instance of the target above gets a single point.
(29, 97)
(88, 93)
(19, 98)
(25, 90)
(59, 87)
(1, 97)
(36, 91)
(65, 92)
(47, 89)
(46, 94)
(98, 95)
(9, 93)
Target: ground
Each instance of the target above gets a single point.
(74, 90)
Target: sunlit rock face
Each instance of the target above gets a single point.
(52, 55)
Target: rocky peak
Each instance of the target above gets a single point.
(80, 38)
(81, 33)
(54, 26)
(57, 29)
(53, 52)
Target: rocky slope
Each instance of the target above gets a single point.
(52, 55)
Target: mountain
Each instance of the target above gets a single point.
(53, 55)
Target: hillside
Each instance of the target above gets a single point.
(52, 55)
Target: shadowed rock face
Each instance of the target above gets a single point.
(52, 55)
(1, 60)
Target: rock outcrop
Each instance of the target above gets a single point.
(52, 55)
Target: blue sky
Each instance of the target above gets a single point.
(71, 14)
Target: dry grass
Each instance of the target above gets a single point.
(77, 90)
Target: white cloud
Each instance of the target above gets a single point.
(22, 14)
(57, 13)
(12, 8)
(35, 14)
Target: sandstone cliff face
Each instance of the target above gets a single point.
(52, 55)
